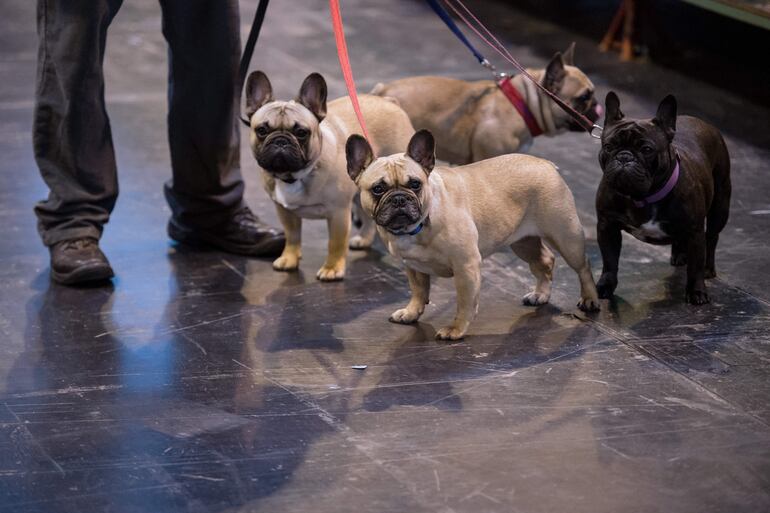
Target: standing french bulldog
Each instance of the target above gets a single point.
(664, 179)
(474, 121)
(443, 221)
(300, 147)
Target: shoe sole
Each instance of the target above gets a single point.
(268, 248)
(83, 275)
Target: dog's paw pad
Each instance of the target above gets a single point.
(330, 273)
(535, 299)
(589, 305)
(450, 333)
(404, 316)
(286, 263)
(358, 242)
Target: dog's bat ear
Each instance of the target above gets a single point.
(666, 116)
(312, 95)
(358, 154)
(569, 55)
(554, 73)
(422, 149)
(258, 92)
(612, 105)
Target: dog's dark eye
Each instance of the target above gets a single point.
(647, 149)
(301, 133)
(261, 130)
(378, 190)
(415, 185)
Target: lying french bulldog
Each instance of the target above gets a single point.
(474, 121)
(664, 179)
(442, 221)
(300, 147)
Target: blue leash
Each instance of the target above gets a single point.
(447, 19)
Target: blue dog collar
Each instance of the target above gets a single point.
(417, 230)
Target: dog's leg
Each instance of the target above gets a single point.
(339, 230)
(541, 262)
(678, 253)
(610, 243)
(468, 284)
(292, 251)
(419, 284)
(715, 222)
(570, 243)
(365, 237)
(696, 261)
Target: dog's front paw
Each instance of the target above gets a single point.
(606, 285)
(404, 316)
(698, 297)
(588, 304)
(286, 262)
(331, 273)
(358, 242)
(535, 298)
(710, 273)
(450, 333)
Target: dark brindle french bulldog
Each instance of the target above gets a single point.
(664, 179)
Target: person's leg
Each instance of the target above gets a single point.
(206, 190)
(71, 134)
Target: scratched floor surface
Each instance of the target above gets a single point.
(205, 382)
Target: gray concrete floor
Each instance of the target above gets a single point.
(205, 382)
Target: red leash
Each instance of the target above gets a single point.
(347, 72)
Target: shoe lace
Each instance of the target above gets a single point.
(244, 214)
(78, 244)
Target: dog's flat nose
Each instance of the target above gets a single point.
(624, 157)
(281, 141)
(399, 200)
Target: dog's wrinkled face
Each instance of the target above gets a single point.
(636, 155)
(568, 82)
(285, 135)
(394, 189)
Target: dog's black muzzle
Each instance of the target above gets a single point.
(398, 210)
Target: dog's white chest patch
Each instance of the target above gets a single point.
(289, 195)
(651, 231)
(294, 197)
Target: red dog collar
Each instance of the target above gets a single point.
(520, 105)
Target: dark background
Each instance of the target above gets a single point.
(719, 50)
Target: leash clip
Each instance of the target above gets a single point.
(596, 132)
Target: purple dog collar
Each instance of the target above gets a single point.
(662, 193)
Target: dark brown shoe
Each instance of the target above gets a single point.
(79, 261)
(243, 234)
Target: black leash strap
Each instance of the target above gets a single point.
(248, 50)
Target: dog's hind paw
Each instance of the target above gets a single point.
(404, 316)
(588, 304)
(450, 333)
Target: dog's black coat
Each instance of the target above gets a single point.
(637, 158)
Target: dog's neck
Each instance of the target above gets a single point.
(536, 100)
